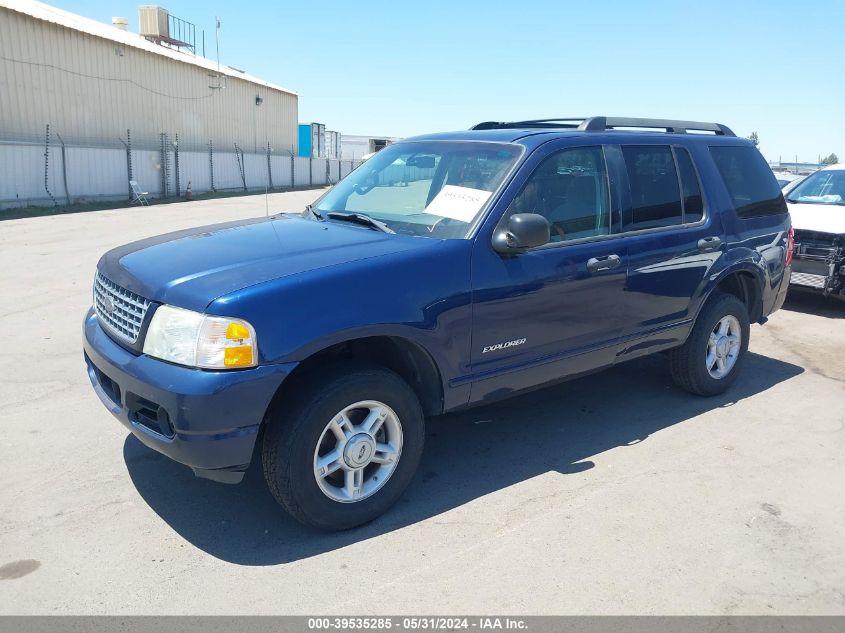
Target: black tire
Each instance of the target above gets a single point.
(294, 429)
(687, 362)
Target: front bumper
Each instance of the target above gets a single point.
(819, 263)
(207, 420)
(826, 277)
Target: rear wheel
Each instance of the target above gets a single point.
(343, 451)
(710, 360)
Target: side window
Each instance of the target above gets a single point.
(655, 194)
(693, 202)
(570, 189)
(749, 181)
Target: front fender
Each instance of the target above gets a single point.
(422, 295)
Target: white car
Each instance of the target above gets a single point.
(817, 207)
(785, 178)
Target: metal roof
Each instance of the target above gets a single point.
(80, 23)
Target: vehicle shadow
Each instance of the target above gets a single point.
(814, 304)
(467, 455)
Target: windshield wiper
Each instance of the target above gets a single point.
(362, 219)
(310, 209)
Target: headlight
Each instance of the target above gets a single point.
(200, 340)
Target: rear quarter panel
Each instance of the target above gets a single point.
(756, 245)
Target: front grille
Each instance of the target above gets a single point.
(119, 309)
(808, 279)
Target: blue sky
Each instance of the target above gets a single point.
(398, 69)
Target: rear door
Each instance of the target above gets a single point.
(673, 240)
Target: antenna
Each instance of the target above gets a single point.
(258, 102)
(217, 49)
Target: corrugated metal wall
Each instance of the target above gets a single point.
(90, 90)
(93, 173)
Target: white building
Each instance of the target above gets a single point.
(353, 147)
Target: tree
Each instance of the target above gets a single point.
(754, 139)
(832, 159)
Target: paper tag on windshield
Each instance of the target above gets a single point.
(458, 203)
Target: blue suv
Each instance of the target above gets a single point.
(449, 270)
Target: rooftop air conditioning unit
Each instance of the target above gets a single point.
(154, 23)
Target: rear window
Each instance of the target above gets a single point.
(749, 180)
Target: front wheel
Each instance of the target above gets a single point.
(710, 360)
(345, 449)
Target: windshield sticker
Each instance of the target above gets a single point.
(458, 203)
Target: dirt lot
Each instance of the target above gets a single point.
(615, 493)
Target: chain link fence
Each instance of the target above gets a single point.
(56, 171)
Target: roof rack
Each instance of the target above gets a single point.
(602, 123)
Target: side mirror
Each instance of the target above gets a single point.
(525, 230)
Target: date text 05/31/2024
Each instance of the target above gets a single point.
(430, 623)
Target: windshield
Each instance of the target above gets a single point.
(429, 188)
(822, 187)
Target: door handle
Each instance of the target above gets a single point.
(597, 264)
(709, 244)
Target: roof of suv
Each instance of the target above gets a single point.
(500, 136)
(532, 138)
(603, 129)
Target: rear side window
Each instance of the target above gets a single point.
(693, 202)
(655, 193)
(749, 180)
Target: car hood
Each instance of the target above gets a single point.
(824, 218)
(192, 268)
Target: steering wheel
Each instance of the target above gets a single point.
(444, 224)
(559, 230)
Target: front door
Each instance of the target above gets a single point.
(552, 311)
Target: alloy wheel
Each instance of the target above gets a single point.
(358, 451)
(723, 347)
